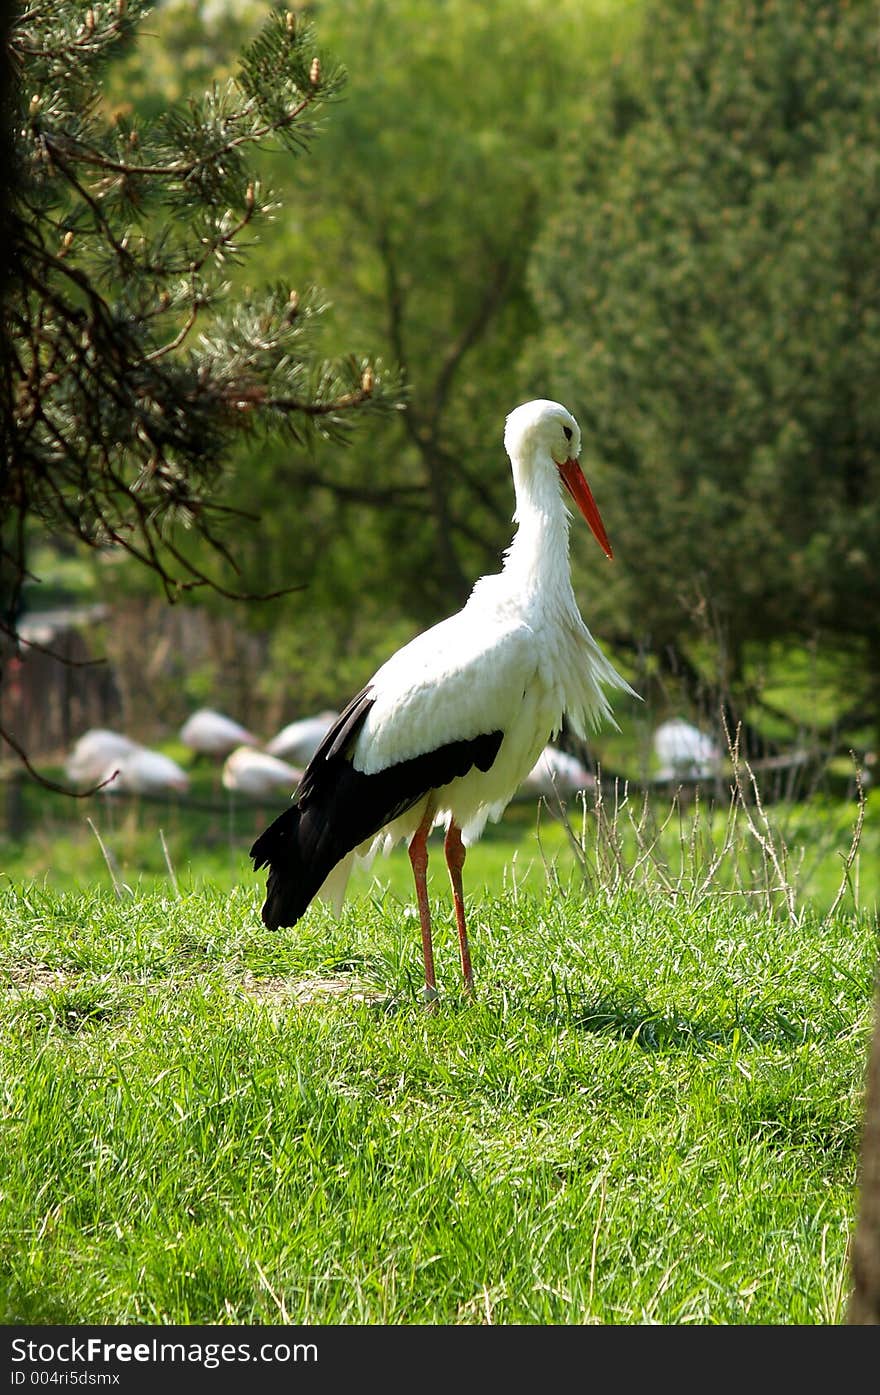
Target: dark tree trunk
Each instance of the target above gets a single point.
(864, 1303)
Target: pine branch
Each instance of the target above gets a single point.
(131, 372)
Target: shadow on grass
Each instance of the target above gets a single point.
(632, 1019)
(626, 1015)
(72, 1009)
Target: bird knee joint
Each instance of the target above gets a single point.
(418, 856)
(455, 853)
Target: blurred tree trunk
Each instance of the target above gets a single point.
(864, 1305)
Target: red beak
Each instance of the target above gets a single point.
(572, 477)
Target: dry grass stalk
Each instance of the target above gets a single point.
(621, 845)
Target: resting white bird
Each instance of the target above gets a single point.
(246, 771)
(446, 731)
(143, 771)
(209, 733)
(299, 741)
(683, 749)
(557, 773)
(93, 752)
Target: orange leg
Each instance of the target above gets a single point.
(418, 856)
(455, 856)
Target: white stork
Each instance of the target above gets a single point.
(446, 731)
(256, 773)
(211, 733)
(684, 750)
(93, 752)
(555, 774)
(299, 741)
(143, 771)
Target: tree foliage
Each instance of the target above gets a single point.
(132, 368)
(710, 292)
(417, 209)
(425, 195)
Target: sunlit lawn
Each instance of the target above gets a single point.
(205, 841)
(651, 1113)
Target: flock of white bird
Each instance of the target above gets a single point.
(119, 764)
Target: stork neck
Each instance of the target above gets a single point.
(536, 562)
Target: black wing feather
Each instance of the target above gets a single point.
(338, 808)
(337, 740)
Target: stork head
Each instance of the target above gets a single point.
(542, 438)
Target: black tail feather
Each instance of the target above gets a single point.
(300, 848)
(339, 808)
(278, 849)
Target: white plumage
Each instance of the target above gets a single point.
(684, 750)
(517, 658)
(210, 733)
(446, 731)
(557, 773)
(142, 771)
(93, 752)
(258, 774)
(299, 741)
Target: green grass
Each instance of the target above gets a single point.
(651, 1113)
(207, 841)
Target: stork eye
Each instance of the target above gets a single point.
(567, 430)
